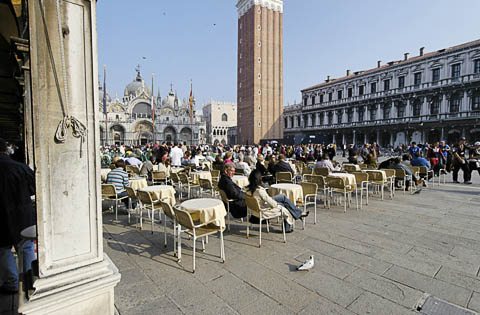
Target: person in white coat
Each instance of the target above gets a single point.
(176, 155)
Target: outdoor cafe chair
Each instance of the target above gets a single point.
(254, 209)
(109, 192)
(132, 195)
(424, 174)
(283, 177)
(309, 198)
(376, 180)
(338, 185)
(184, 219)
(169, 213)
(132, 169)
(206, 185)
(307, 171)
(148, 204)
(215, 174)
(323, 171)
(390, 173)
(186, 182)
(223, 196)
(321, 185)
(401, 178)
(361, 179)
(159, 177)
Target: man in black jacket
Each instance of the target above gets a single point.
(17, 184)
(283, 166)
(238, 208)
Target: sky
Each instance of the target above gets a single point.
(183, 40)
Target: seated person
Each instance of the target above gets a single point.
(418, 160)
(271, 163)
(266, 176)
(147, 168)
(385, 164)
(406, 160)
(218, 161)
(324, 162)
(396, 164)
(278, 204)
(238, 208)
(119, 178)
(283, 166)
(353, 158)
(243, 165)
(228, 157)
(370, 160)
(164, 165)
(132, 160)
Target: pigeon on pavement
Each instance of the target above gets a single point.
(307, 265)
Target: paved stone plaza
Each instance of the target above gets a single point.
(379, 260)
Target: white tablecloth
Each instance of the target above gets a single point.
(162, 192)
(240, 180)
(349, 178)
(294, 192)
(355, 166)
(138, 183)
(202, 174)
(206, 209)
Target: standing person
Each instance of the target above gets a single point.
(176, 155)
(147, 168)
(17, 184)
(413, 149)
(474, 157)
(445, 154)
(459, 162)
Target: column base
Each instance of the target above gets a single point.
(87, 290)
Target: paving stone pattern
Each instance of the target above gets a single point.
(379, 260)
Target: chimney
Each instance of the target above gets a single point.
(348, 72)
(379, 64)
(406, 56)
(328, 78)
(421, 50)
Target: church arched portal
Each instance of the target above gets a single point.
(170, 134)
(186, 135)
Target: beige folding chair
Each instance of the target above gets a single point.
(169, 213)
(159, 177)
(148, 204)
(284, 177)
(338, 185)
(239, 171)
(363, 166)
(175, 180)
(362, 183)
(307, 171)
(223, 196)
(321, 185)
(133, 196)
(309, 192)
(390, 173)
(322, 171)
(186, 182)
(424, 174)
(109, 192)
(197, 231)
(215, 174)
(254, 207)
(349, 168)
(401, 178)
(206, 185)
(376, 180)
(308, 178)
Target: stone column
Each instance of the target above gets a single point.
(425, 106)
(378, 137)
(74, 275)
(443, 105)
(391, 138)
(354, 137)
(355, 114)
(365, 137)
(343, 138)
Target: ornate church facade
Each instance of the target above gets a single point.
(130, 120)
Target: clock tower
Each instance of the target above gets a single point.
(260, 70)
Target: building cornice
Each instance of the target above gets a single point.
(244, 5)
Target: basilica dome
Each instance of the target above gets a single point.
(137, 86)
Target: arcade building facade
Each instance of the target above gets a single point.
(424, 98)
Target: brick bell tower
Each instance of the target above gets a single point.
(260, 70)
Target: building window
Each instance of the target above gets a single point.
(373, 87)
(436, 74)
(259, 92)
(224, 117)
(259, 108)
(241, 25)
(361, 111)
(349, 115)
(456, 71)
(350, 92)
(373, 113)
(417, 79)
(259, 11)
(455, 104)
(298, 121)
(476, 102)
(400, 110)
(330, 118)
(259, 59)
(321, 98)
(322, 118)
(401, 82)
(361, 89)
(386, 85)
(240, 99)
(259, 124)
(417, 107)
(313, 99)
(240, 55)
(259, 27)
(240, 84)
(435, 106)
(259, 44)
(240, 41)
(476, 66)
(285, 125)
(259, 76)
(339, 94)
(240, 70)
(305, 100)
(386, 111)
(330, 96)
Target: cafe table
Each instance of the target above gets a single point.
(240, 180)
(206, 210)
(293, 192)
(161, 192)
(137, 183)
